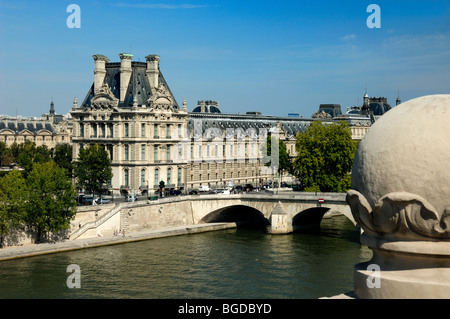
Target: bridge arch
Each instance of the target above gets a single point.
(308, 219)
(242, 215)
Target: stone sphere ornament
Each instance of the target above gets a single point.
(400, 197)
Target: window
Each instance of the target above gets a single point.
(179, 151)
(155, 153)
(143, 130)
(168, 131)
(156, 177)
(155, 131)
(82, 130)
(103, 130)
(111, 130)
(142, 177)
(179, 176)
(94, 127)
(126, 129)
(143, 152)
(169, 175)
(127, 152)
(126, 177)
(179, 130)
(168, 153)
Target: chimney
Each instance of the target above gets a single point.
(125, 73)
(99, 70)
(152, 70)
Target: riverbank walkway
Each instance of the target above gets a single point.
(14, 252)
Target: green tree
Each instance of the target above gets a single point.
(325, 154)
(161, 188)
(13, 202)
(28, 154)
(63, 157)
(5, 154)
(51, 203)
(92, 169)
(284, 160)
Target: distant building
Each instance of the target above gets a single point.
(328, 111)
(49, 130)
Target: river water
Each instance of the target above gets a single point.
(233, 263)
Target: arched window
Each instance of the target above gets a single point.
(156, 177)
(169, 175)
(142, 177)
(126, 177)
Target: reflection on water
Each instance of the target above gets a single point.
(235, 263)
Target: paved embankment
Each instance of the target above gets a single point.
(48, 248)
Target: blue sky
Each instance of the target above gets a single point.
(276, 57)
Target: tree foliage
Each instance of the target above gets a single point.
(26, 154)
(51, 203)
(284, 160)
(92, 169)
(13, 202)
(63, 157)
(325, 154)
(6, 157)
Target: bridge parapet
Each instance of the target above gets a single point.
(194, 209)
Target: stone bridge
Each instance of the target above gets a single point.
(281, 214)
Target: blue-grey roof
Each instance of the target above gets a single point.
(18, 126)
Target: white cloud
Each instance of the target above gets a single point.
(349, 37)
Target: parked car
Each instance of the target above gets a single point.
(130, 198)
(175, 192)
(87, 200)
(100, 201)
(193, 192)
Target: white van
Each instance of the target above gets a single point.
(204, 188)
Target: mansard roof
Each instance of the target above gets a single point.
(291, 126)
(18, 126)
(138, 86)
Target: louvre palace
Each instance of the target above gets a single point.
(150, 137)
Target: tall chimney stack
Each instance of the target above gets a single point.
(125, 73)
(152, 70)
(99, 70)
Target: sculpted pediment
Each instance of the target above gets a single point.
(161, 99)
(104, 98)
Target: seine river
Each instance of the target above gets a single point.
(234, 263)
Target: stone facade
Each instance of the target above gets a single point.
(131, 111)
